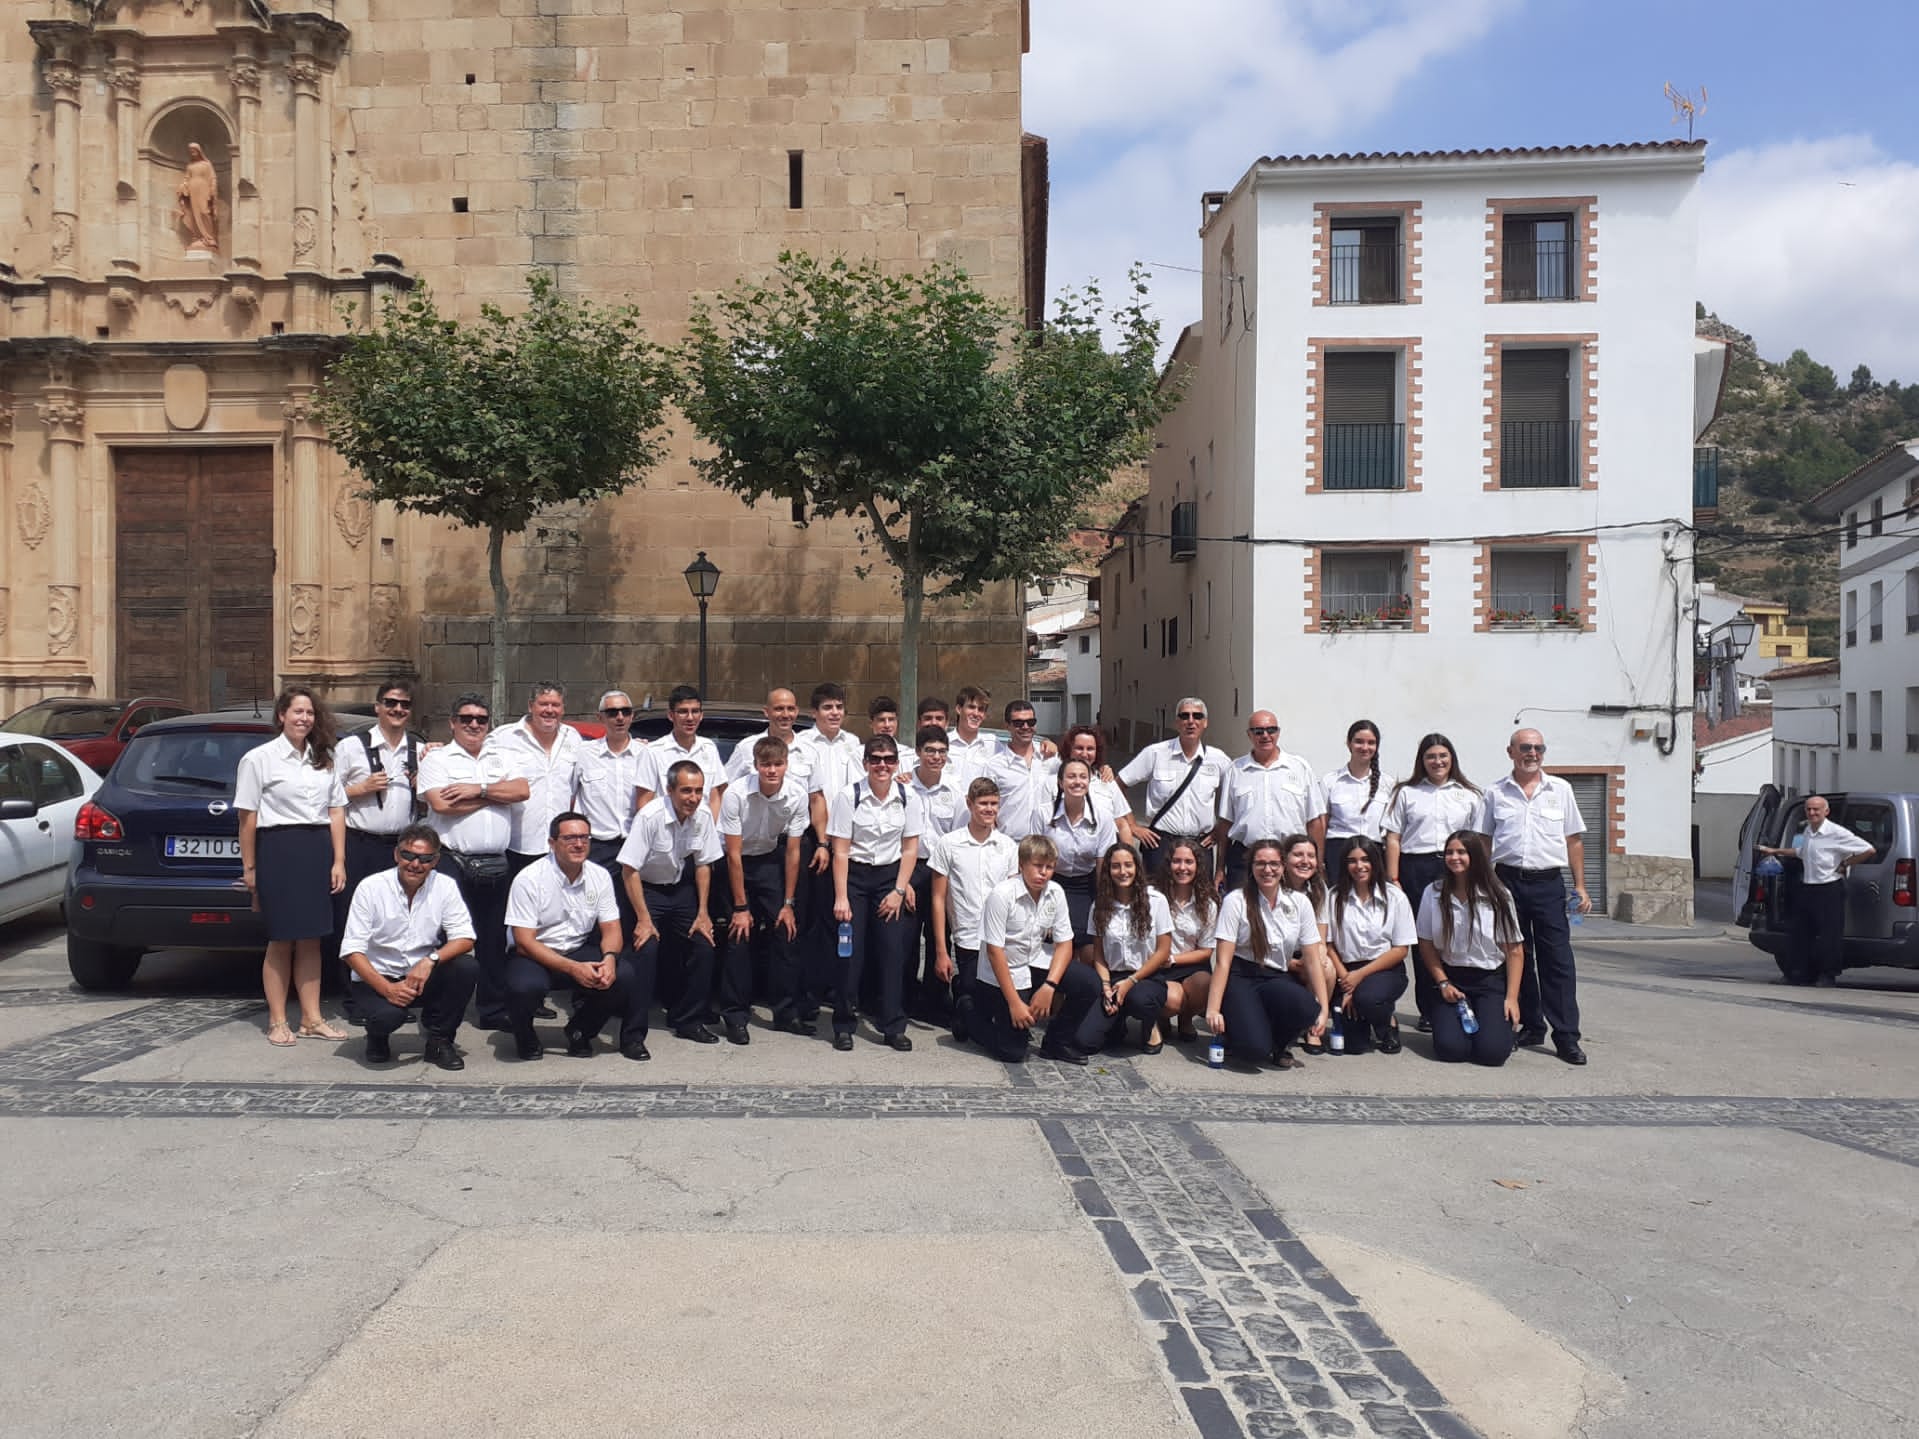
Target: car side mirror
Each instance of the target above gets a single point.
(129, 732)
(18, 809)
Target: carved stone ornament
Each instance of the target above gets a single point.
(190, 302)
(304, 73)
(298, 407)
(384, 617)
(63, 78)
(244, 73)
(63, 617)
(33, 513)
(303, 619)
(63, 418)
(63, 232)
(124, 77)
(6, 423)
(6, 609)
(353, 515)
(60, 372)
(306, 231)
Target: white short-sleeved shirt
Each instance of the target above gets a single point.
(832, 764)
(562, 916)
(1423, 814)
(1162, 768)
(1290, 925)
(1821, 850)
(1191, 929)
(942, 806)
(1270, 801)
(1363, 932)
(549, 774)
(1081, 844)
(665, 752)
(1025, 794)
(1121, 949)
(1353, 807)
(1109, 796)
(763, 822)
(659, 844)
(878, 827)
(606, 785)
(277, 783)
(485, 830)
(1531, 833)
(390, 811)
(1027, 929)
(395, 935)
(1474, 943)
(972, 867)
(967, 760)
(740, 765)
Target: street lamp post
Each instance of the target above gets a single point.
(702, 577)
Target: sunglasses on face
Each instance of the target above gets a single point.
(407, 856)
(397, 704)
(1191, 715)
(883, 761)
(575, 838)
(1260, 729)
(618, 711)
(473, 719)
(1530, 748)
(1022, 724)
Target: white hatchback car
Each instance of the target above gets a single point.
(42, 787)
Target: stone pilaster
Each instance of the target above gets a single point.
(63, 415)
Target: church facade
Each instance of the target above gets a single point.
(206, 196)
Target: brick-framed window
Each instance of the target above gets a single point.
(1546, 585)
(1366, 252)
(1615, 799)
(1521, 449)
(1374, 454)
(1542, 248)
(1365, 589)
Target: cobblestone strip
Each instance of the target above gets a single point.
(24, 998)
(1259, 1339)
(72, 1053)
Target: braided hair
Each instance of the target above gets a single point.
(1372, 791)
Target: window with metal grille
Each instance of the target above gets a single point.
(1536, 429)
(1364, 589)
(1875, 612)
(1365, 263)
(1537, 258)
(1876, 719)
(1529, 587)
(1361, 438)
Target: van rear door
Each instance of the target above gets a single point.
(1869, 908)
(1755, 829)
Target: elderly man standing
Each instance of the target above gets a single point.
(1535, 831)
(1182, 778)
(545, 752)
(1826, 850)
(606, 788)
(1268, 794)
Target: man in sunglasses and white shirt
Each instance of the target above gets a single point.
(1182, 778)
(606, 789)
(378, 769)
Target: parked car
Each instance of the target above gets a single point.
(42, 788)
(725, 725)
(158, 849)
(93, 731)
(1882, 897)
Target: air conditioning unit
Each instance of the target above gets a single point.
(1185, 543)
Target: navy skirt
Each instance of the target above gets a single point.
(1079, 903)
(293, 869)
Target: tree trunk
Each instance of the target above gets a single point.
(913, 597)
(496, 572)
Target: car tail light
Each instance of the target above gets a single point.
(1902, 883)
(95, 823)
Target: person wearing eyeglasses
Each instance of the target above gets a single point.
(470, 792)
(942, 810)
(566, 931)
(409, 944)
(667, 868)
(1265, 792)
(1533, 826)
(683, 744)
(379, 770)
(875, 828)
(1183, 777)
(606, 790)
(1023, 772)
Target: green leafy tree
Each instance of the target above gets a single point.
(488, 424)
(965, 447)
(1861, 383)
(1812, 379)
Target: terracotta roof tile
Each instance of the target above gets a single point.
(1520, 152)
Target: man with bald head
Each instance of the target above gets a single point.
(1535, 832)
(1267, 794)
(1826, 850)
(782, 711)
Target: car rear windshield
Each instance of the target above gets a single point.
(184, 761)
(65, 721)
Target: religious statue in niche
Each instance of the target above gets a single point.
(198, 209)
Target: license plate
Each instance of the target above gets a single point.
(202, 846)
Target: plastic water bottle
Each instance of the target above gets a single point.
(1573, 916)
(1216, 1055)
(846, 938)
(1335, 1037)
(1468, 1021)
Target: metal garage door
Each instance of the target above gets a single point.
(1589, 791)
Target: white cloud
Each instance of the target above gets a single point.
(1146, 107)
(1811, 245)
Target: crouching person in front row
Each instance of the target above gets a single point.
(1026, 970)
(565, 928)
(408, 943)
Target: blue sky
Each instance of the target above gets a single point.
(1810, 205)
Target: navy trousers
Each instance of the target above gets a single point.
(1549, 989)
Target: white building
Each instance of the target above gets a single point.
(1806, 715)
(1733, 763)
(1432, 469)
(1877, 506)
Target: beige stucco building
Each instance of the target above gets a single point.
(174, 520)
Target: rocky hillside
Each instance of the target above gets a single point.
(1786, 431)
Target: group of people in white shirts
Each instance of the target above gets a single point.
(991, 885)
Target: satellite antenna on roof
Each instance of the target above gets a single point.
(1686, 106)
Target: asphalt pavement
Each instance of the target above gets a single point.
(1706, 1231)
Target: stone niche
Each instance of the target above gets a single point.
(163, 165)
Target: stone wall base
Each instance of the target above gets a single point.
(1651, 889)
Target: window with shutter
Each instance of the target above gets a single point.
(1359, 407)
(1536, 432)
(1365, 263)
(1537, 259)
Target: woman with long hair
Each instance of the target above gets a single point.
(1255, 1002)
(1423, 810)
(1133, 940)
(1357, 794)
(1088, 742)
(1470, 947)
(1081, 831)
(1370, 930)
(1303, 875)
(292, 810)
(1185, 879)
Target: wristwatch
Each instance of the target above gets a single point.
(900, 892)
(433, 958)
(786, 903)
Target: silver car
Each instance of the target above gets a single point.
(1882, 900)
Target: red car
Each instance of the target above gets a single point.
(94, 731)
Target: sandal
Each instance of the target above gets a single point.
(280, 1034)
(322, 1030)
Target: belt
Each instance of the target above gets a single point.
(666, 886)
(1525, 873)
(472, 854)
(370, 834)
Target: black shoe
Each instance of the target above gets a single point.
(379, 1049)
(499, 1024)
(902, 1042)
(546, 1011)
(809, 1016)
(1389, 1039)
(793, 1024)
(1425, 1025)
(698, 1033)
(527, 1045)
(842, 1042)
(441, 1052)
(635, 1049)
(579, 1044)
(1826, 981)
(962, 1031)
(358, 1021)
(1064, 1053)
(1570, 1051)
(736, 1034)
(1530, 1038)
